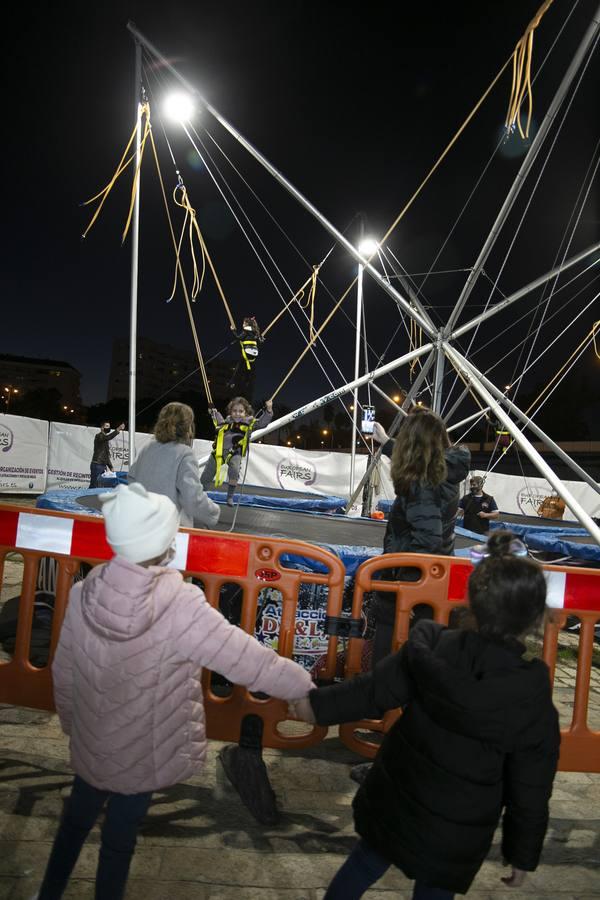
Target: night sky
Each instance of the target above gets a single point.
(352, 104)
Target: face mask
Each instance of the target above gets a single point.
(169, 555)
(106, 428)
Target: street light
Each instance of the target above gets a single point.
(367, 248)
(179, 108)
(9, 391)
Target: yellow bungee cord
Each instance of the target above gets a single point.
(124, 162)
(521, 76)
(181, 199)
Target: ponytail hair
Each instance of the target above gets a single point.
(507, 593)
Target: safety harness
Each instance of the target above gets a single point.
(249, 348)
(241, 446)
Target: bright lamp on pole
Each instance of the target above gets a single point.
(179, 108)
(368, 247)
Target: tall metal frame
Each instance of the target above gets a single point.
(439, 346)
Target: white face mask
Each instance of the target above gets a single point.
(169, 555)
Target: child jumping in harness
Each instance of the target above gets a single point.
(249, 338)
(477, 740)
(231, 442)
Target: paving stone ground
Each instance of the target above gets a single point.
(199, 842)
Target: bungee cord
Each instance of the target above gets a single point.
(191, 222)
(314, 335)
(571, 362)
(521, 75)
(188, 304)
(565, 112)
(122, 166)
(549, 346)
(567, 245)
(312, 280)
(287, 237)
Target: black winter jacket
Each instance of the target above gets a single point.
(101, 454)
(478, 734)
(428, 537)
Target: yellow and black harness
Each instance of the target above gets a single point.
(249, 348)
(240, 447)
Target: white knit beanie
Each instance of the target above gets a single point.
(139, 525)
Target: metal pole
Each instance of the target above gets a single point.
(461, 364)
(359, 298)
(527, 423)
(135, 243)
(385, 396)
(339, 392)
(393, 429)
(528, 162)
(498, 307)
(421, 317)
(439, 376)
(476, 415)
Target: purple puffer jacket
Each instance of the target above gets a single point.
(127, 675)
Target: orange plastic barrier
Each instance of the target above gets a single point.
(442, 586)
(252, 563)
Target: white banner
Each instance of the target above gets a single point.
(523, 496)
(70, 454)
(23, 455)
(306, 471)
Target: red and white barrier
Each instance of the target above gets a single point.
(85, 539)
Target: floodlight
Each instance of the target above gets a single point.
(368, 247)
(179, 108)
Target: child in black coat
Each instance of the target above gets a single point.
(478, 737)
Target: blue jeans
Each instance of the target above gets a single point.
(362, 869)
(124, 813)
(96, 470)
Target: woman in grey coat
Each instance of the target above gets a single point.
(167, 465)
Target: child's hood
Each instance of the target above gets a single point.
(477, 687)
(121, 600)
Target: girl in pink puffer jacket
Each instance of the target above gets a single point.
(127, 684)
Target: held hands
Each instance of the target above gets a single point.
(269, 406)
(301, 709)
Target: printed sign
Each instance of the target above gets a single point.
(294, 475)
(23, 454)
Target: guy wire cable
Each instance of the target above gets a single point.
(580, 351)
(565, 109)
(567, 243)
(243, 230)
(317, 335)
(280, 227)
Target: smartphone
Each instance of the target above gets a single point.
(368, 418)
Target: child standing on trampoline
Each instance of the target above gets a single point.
(231, 441)
(477, 741)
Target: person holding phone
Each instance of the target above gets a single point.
(101, 455)
(368, 420)
(427, 472)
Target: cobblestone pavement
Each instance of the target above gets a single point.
(199, 843)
